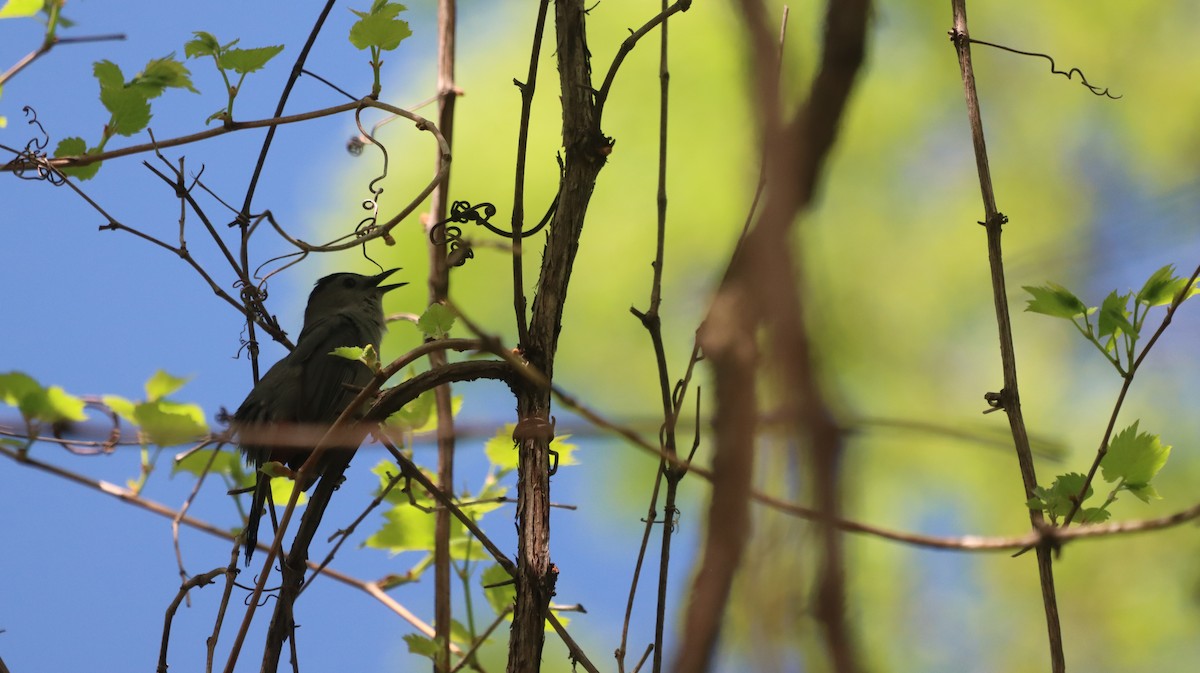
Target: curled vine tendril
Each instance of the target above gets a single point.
(34, 155)
(462, 212)
(368, 223)
(956, 37)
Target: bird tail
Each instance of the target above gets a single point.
(258, 502)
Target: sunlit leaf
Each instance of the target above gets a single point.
(379, 28)
(244, 61)
(16, 9)
(204, 44)
(436, 321)
(1134, 457)
(1161, 287)
(162, 384)
(1054, 300)
(195, 462)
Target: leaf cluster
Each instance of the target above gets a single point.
(1115, 326)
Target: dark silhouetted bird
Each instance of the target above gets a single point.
(288, 412)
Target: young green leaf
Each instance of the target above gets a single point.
(62, 406)
(162, 384)
(500, 450)
(1093, 515)
(1134, 457)
(129, 108)
(349, 352)
(436, 321)
(1144, 492)
(406, 528)
(204, 44)
(422, 646)
(75, 147)
(281, 492)
(1114, 317)
(1161, 287)
(195, 462)
(19, 9)
(1057, 500)
(51, 404)
(161, 74)
(16, 386)
(168, 423)
(379, 28)
(415, 414)
(108, 74)
(1054, 300)
(243, 61)
(498, 588)
(121, 407)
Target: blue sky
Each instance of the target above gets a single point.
(86, 578)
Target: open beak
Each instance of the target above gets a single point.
(379, 278)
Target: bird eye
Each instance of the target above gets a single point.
(348, 282)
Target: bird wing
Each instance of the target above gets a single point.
(328, 382)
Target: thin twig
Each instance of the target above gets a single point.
(1010, 396)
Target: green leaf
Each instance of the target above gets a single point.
(204, 44)
(1144, 492)
(121, 407)
(385, 469)
(364, 354)
(244, 61)
(1057, 500)
(349, 352)
(162, 384)
(51, 404)
(1134, 457)
(436, 321)
(1161, 287)
(225, 462)
(430, 423)
(17, 386)
(501, 597)
(501, 450)
(167, 423)
(406, 528)
(76, 147)
(161, 74)
(566, 450)
(129, 108)
(415, 414)
(108, 74)
(18, 9)
(1054, 300)
(1114, 317)
(379, 28)
(1093, 515)
(422, 646)
(62, 406)
(281, 492)
(73, 146)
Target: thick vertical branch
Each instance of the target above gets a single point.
(762, 288)
(1010, 398)
(729, 345)
(439, 286)
(585, 149)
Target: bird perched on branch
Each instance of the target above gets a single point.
(294, 404)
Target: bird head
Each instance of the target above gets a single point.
(340, 292)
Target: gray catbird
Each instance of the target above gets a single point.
(292, 406)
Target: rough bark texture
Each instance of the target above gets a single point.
(585, 151)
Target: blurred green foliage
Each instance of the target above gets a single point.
(898, 290)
